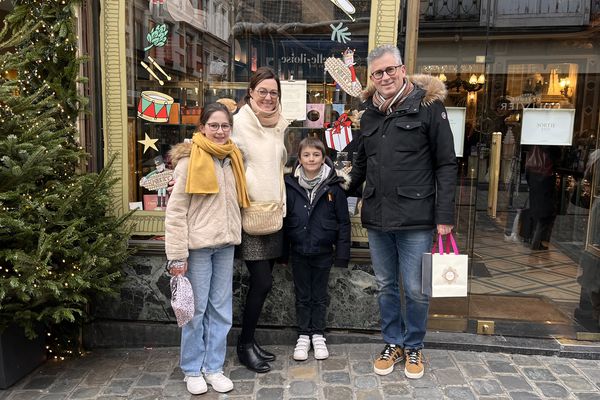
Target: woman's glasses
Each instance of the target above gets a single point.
(264, 92)
(215, 127)
(390, 71)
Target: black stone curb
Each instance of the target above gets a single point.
(120, 334)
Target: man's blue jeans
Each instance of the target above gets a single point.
(396, 257)
(204, 338)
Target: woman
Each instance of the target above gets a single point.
(202, 227)
(259, 133)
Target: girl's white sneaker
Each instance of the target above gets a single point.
(219, 382)
(195, 384)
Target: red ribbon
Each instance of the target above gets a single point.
(342, 122)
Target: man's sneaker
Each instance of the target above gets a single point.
(195, 384)
(391, 354)
(302, 347)
(320, 348)
(413, 368)
(219, 382)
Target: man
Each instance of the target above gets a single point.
(406, 155)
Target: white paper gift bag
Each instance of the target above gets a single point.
(445, 274)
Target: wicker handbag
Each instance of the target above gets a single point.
(263, 217)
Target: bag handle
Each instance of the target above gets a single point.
(440, 244)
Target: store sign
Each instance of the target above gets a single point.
(552, 127)
(302, 58)
(456, 117)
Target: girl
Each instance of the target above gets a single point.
(317, 219)
(203, 224)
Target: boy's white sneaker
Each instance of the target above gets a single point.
(195, 384)
(302, 348)
(319, 347)
(219, 382)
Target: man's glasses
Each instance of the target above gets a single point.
(390, 71)
(215, 127)
(264, 92)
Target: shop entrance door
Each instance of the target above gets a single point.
(527, 120)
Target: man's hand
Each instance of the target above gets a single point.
(444, 229)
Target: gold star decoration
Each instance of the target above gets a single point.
(148, 143)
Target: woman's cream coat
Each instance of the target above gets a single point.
(200, 221)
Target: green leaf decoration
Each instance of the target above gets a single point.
(157, 36)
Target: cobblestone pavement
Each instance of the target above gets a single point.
(346, 375)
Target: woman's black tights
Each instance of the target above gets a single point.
(261, 280)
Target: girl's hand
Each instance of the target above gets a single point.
(177, 267)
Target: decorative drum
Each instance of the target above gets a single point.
(154, 106)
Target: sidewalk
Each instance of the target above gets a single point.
(348, 374)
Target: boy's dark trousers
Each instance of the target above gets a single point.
(311, 275)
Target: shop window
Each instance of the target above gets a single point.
(180, 58)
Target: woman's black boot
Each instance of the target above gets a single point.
(248, 357)
(262, 353)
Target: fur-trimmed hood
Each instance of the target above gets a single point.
(433, 87)
(179, 151)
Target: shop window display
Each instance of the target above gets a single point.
(182, 54)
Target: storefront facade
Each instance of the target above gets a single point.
(521, 80)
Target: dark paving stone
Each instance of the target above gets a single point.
(474, 370)
(73, 373)
(365, 382)
(176, 389)
(428, 393)
(487, 387)
(159, 366)
(553, 390)
(146, 394)
(368, 395)
(467, 356)
(397, 389)
(270, 394)
(362, 367)
(578, 384)
(129, 372)
(39, 383)
(64, 385)
(27, 395)
(441, 363)
(243, 373)
(147, 380)
(523, 396)
(501, 366)
(271, 379)
(539, 374)
(459, 393)
(337, 377)
(525, 361)
(425, 382)
(513, 382)
(118, 386)
(337, 393)
(363, 355)
(242, 388)
(449, 377)
(85, 393)
(562, 369)
(587, 396)
(333, 364)
(177, 375)
(56, 396)
(302, 388)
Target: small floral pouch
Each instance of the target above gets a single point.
(182, 299)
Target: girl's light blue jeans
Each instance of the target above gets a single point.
(204, 338)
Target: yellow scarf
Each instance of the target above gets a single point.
(202, 178)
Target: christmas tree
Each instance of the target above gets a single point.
(59, 245)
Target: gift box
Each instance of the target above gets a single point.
(339, 134)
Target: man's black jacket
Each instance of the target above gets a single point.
(407, 159)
